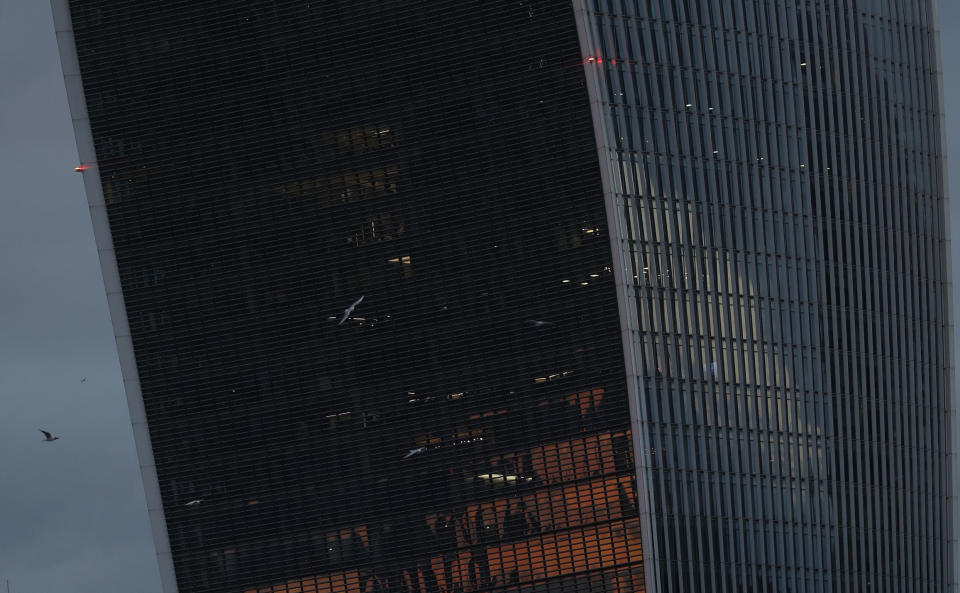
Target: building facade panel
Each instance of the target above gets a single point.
(777, 169)
(363, 253)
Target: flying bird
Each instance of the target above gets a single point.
(83, 379)
(47, 437)
(413, 452)
(538, 323)
(349, 310)
(194, 502)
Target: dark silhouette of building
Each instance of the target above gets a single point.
(528, 296)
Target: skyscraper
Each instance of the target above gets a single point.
(536, 295)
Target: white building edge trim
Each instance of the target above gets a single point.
(626, 299)
(111, 279)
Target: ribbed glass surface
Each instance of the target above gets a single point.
(777, 171)
(368, 277)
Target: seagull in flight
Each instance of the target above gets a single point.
(47, 437)
(194, 502)
(413, 452)
(349, 310)
(538, 323)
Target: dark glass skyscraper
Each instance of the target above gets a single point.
(530, 295)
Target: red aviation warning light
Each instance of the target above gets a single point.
(80, 168)
(599, 60)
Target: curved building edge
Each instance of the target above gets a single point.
(111, 278)
(626, 301)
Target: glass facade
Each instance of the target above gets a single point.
(366, 267)
(384, 344)
(776, 168)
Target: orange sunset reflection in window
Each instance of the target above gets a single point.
(566, 520)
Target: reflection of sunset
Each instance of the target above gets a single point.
(581, 522)
(581, 551)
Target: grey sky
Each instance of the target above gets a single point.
(72, 513)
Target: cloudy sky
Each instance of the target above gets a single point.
(72, 513)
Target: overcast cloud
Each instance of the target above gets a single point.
(72, 513)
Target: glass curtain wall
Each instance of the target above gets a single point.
(777, 173)
(368, 277)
